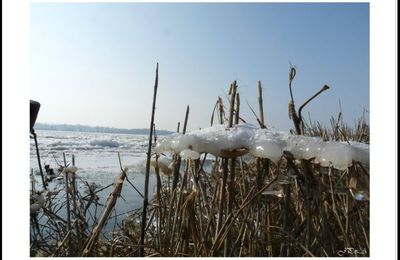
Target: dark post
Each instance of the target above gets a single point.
(34, 110)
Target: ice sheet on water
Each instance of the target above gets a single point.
(104, 142)
(61, 143)
(263, 143)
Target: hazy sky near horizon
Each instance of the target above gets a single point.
(94, 63)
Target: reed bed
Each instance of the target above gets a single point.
(241, 206)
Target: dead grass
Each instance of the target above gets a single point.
(243, 206)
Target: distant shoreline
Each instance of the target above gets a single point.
(97, 129)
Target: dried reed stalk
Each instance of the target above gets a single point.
(111, 201)
(147, 174)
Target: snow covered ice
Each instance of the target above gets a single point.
(220, 140)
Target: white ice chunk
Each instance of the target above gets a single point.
(168, 143)
(304, 147)
(267, 149)
(189, 154)
(362, 153)
(219, 140)
(339, 155)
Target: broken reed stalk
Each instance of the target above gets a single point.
(231, 184)
(158, 208)
(224, 161)
(262, 163)
(232, 178)
(33, 191)
(111, 201)
(74, 203)
(292, 74)
(309, 198)
(186, 120)
(292, 109)
(222, 194)
(286, 212)
(232, 104)
(147, 176)
(178, 162)
(176, 177)
(310, 182)
(325, 87)
(260, 105)
(68, 203)
(347, 243)
(213, 112)
(221, 110)
(176, 225)
(255, 115)
(38, 157)
(237, 117)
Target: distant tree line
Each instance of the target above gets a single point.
(97, 129)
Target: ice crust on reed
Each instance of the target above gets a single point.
(165, 165)
(220, 140)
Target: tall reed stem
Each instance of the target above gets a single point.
(178, 162)
(68, 203)
(146, 181)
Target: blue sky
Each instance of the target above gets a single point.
(95, 64)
